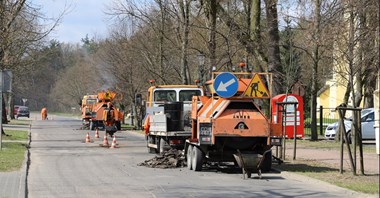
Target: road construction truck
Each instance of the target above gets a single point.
(105, 114)
(230, 127)
(167, 123)
(87, 105)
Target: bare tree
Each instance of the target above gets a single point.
(19, 32)
(184, 13)
(76, 81)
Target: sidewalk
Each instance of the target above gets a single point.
(13, 184)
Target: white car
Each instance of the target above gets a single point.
(368, 129)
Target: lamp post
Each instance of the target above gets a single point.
(201, 70)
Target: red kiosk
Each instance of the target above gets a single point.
(288, 121)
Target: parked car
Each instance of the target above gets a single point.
(22, 111)
(367, 120)
(15, 108)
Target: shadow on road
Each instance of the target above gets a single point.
(299, 167)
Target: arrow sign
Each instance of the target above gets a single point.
(223, 87)
(226, 85)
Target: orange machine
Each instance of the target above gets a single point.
(230, 127)
(87, 105)
(105, 114)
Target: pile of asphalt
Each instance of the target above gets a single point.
(172, 158)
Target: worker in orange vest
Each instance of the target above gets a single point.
(44, 113)
(108, 115)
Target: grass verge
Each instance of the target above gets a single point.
(327, 144)
(20, 122)
(127, 127)
(325, 172)
(15, 134)
(11, 156)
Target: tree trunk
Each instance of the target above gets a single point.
(184, 9)
(161, 42)
(255, 27)
(211, 16)
(274, 61)
(314, 77)
(4, 115)
(314, 91)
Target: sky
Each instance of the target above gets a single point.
(84, 17)
(87, 17)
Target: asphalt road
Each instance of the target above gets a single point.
(62, 165)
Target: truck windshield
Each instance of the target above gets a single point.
(186, 95)
(165, 96)
(91, 101)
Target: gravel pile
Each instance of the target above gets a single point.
(172, 158)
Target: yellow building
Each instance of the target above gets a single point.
(331, 95)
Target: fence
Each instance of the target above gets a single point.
(325, 116)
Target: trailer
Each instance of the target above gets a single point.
(105, 114)
(230, 126)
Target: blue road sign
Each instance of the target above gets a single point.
(226, 85)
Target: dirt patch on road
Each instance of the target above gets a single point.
(169, 159)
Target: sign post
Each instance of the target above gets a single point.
(24, 100)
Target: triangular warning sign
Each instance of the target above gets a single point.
(256, 88)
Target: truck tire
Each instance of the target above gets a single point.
(267, 163)
(197, 161)
(189, 157)
(162, 146)
(150, 141)
(158, 142)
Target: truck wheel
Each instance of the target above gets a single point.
(162, 146)
(189, 157)
(150, 141)
(267, 163)
(197, 157)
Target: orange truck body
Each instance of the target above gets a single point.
(98, 116)
(87, 105)
(225, 129)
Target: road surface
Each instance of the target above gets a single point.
(62, 165)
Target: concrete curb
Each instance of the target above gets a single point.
(23, 189)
